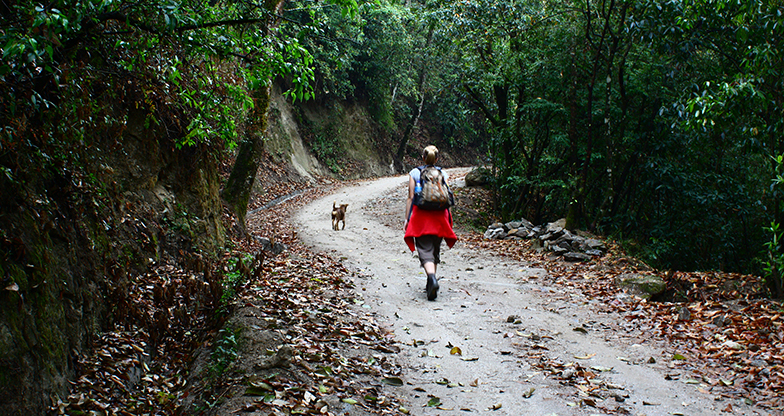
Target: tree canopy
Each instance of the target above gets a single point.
(655, 121)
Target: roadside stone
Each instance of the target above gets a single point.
(576, 256)
(553, 237)
(270, 246)
(566, 240)
(684, 314)
(513, 225)
(641, 285)
(594, 244)
(523, 223)
(477, 177)
(719, 320)
(522, 233)
(559, 250)
(498, 225)
(495, 234)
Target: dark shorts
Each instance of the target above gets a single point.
(429, 249)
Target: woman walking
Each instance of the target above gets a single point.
(426, 229)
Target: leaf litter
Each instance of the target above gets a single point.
(178, 347)
(730, 343)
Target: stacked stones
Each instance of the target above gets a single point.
(553, 237)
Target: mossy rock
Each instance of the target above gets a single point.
(642, 285)
(477, 177)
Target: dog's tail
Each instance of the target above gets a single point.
(333, 205)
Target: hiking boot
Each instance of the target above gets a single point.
(432, 287)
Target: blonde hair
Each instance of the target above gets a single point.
(430, 155)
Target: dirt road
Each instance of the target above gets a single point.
(502, 320)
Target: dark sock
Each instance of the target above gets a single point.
(432, 287)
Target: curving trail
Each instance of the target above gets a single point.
(478, 293)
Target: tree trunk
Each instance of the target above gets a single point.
(236, 192)
(401, 148)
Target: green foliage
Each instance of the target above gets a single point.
(237, 276)
(328, 147)
(180, 60)
(225, 351)
(642, 119)
(332, 39)
(774, 265)
(774, 257)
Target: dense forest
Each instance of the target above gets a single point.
(659, 123)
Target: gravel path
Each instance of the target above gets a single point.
(479, 297)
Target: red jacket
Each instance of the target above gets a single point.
(424, 222)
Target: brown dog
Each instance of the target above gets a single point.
(338, 215)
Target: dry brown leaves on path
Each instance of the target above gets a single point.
(280, 334)
(722, 336)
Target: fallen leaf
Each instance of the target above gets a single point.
(433, 402)
(349, 401)
(255, 391)
(584, 357)
(456, 350)
(392, 381)
(528, 393)
(495, 406)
